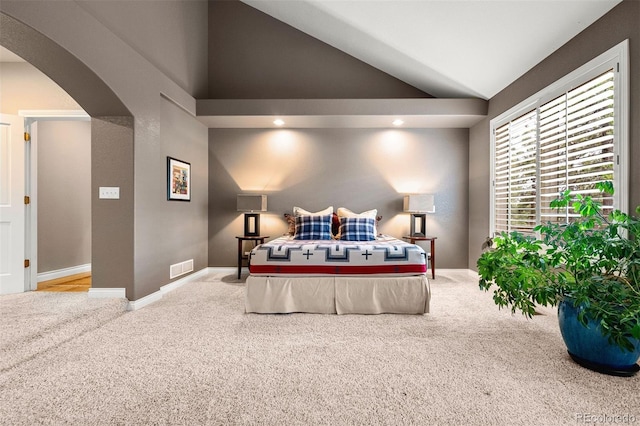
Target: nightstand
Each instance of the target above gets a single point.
(432, 254)
(259, 239)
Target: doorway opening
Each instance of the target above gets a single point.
(59, 170)
(54, 171)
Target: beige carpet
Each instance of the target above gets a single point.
(194, 358)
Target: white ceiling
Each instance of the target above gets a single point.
(452, 48)
(448, 48)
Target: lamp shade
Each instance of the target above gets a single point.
(419, 203)
(252, 203)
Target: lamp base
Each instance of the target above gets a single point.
(418, 226)
(251, 224)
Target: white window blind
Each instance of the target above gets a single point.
(568, 136)
(515, 174)
(576, 144)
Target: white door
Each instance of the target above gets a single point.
(12, 207)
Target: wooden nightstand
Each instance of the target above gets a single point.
(259, 239)
(432, 254)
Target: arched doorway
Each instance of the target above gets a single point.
(111, 140)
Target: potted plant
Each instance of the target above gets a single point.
(589, 268)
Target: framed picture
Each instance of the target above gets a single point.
(178, 180)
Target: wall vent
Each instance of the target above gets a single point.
(181, 268)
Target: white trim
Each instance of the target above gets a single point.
(65, 272)
(622, 109)
(134, 305)
(32, 191)
(225, 269)
(154, 297)
(54, 114)
(107, 293)
(182, 281)
(618, 53)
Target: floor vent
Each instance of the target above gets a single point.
(180, 268)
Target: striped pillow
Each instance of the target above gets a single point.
(313, 228)
(357, 229)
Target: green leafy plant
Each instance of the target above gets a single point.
(593, 261)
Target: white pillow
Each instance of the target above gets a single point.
(299, 211)
(344, 212)
(373, 214)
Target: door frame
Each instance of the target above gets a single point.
(31, 119)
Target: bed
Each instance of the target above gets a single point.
(366, 275)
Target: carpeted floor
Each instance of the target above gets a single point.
(194, 358)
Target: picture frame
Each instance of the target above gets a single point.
(178, 180)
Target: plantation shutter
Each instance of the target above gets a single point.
(515, 174)
(566, 143)
(576, 144)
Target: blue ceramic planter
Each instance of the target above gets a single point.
(589, 348)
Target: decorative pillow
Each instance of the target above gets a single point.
(372, 214)
(313, 228)
(291, 223)
(344, 212)
(335, 225)
(299, 211)
(357, 229)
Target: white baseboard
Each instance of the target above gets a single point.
(106, 293)
(65, 272)
(155, 296)
(225, 269)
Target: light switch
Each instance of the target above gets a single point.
(109, 192)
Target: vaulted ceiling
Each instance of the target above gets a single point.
(448, 48)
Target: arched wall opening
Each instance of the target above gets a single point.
(112, 150)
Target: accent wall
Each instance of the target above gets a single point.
(360, 169)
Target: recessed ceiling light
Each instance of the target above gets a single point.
(278, 122)
(398, 122)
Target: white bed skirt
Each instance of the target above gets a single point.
(338, 295)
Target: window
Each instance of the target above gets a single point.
(568, 136)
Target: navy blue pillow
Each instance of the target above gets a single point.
(313, 228)
(357, 229)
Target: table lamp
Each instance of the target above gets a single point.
(418, 205)
(251, 204)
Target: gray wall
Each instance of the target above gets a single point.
(360, 169)
(169, 34)
(64, 194)
(621, 23)
(122, 89)
(254, 56)
(174, 231)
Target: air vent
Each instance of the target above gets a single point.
(181, 268)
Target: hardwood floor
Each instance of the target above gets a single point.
(77, 283)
